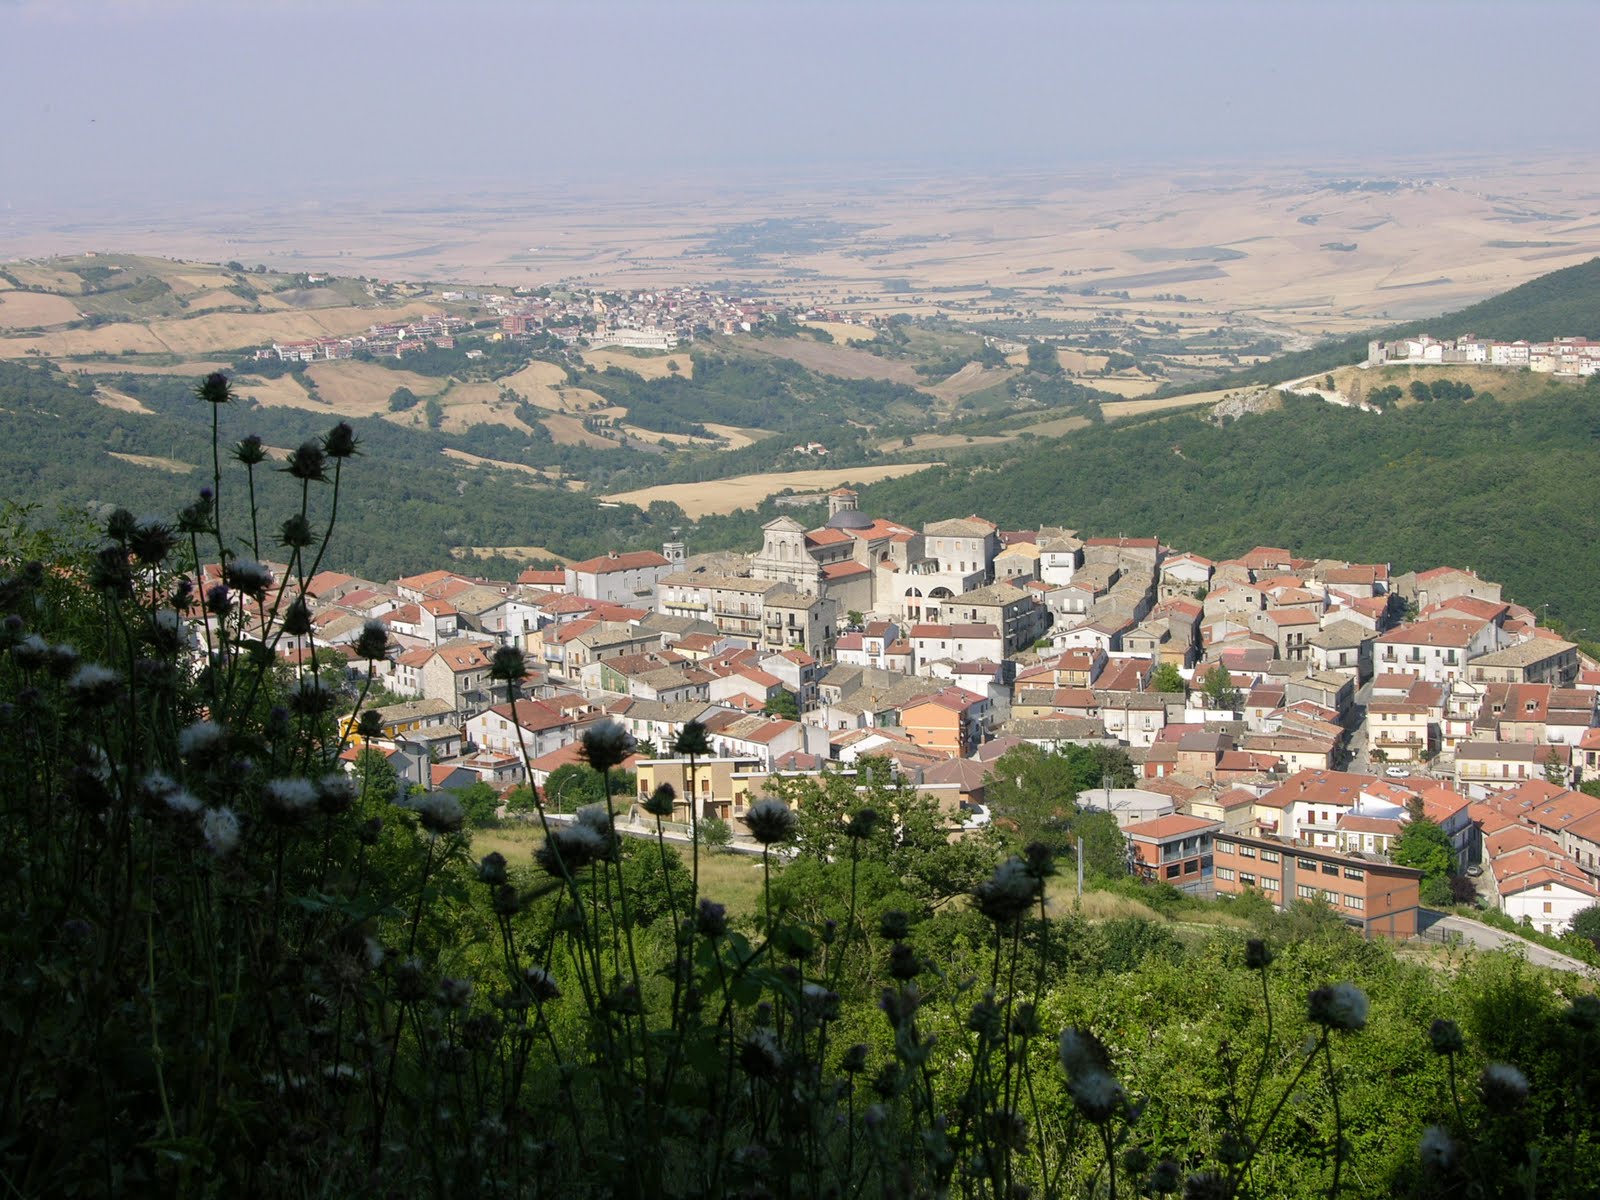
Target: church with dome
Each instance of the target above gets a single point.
(868, 564)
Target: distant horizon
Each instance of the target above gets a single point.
(178, 105)
(684, 185)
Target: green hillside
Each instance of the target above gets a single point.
(403, 505)
(1562, 303)
(1497, 487)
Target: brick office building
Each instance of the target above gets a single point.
(1174, 849)
(1378, 898)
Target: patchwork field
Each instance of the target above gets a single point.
(283, 392)
(525, 553)
(215, 300)
(841, 331)
(1076, 362)
(467, 404)
(31, 310)
(208, 333)
(193, 368)
(746, 491)
(359, 389)
(477, 460)
(119, 401)
(1124, 387)
(67, 343)
(736, 438)
(1299, 249)
(844, 361)
(1115, 409)
(647, 366)
(923, 442)
(1056, 427)
(974, 377)
(568, 430)
(51, 278)
(155, 462)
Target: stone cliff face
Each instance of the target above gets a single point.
(1246, 400)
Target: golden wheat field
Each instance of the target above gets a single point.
(32, 310)
(1125, 387)
(843, 331)
(746, 491)
(648, 366)
(567, 430)
(155, 462)
(120, 401)
(1115, 409)
(478, 460)
(283, 392)
(358, 389)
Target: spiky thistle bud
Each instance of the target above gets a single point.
(771, 821)
(214, 389)
(509, 664)
(219, 829)
(711, 919)
(606, 744)
(308, 463)
(692, 741)
(440, 813)
(492, 869)
(1341, 1006)
(152, 540)
(297, 618)
(94, 686)
(249, 451)
(1445, 1037)
(296, 533)
(662, 801)
(340, 441)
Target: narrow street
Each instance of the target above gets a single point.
(1438, 927)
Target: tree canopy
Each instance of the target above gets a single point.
(1034, 795)
(1167, 678)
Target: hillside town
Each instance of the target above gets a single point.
(389, 339)
(1562, 356)
(645, 320)
(1285, 716)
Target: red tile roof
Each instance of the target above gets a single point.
(1171, 826)
(607, 564)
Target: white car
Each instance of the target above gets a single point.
(1397, 773)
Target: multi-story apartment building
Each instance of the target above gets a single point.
(1378, 898)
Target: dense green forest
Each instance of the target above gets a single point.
(763, 393)
(400, 514)
(1476, 483)
(1564, 303)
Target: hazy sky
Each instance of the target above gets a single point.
(105, 103)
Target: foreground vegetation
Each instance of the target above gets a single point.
(227, 967)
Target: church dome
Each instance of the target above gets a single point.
(849, 518)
